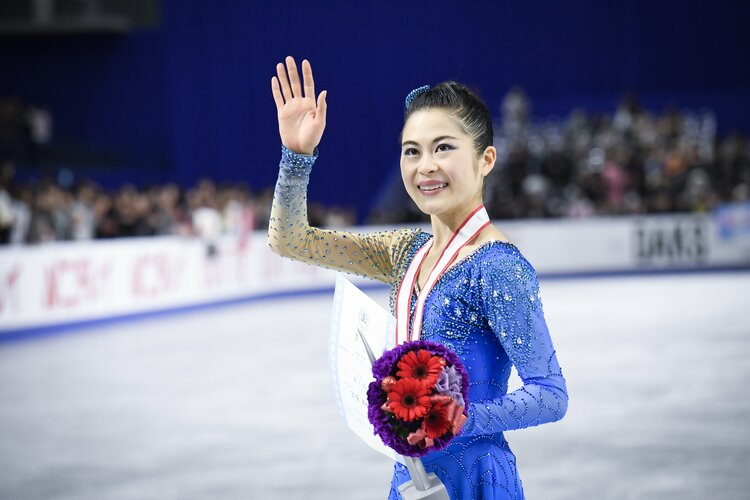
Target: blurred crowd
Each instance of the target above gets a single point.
(631, 162)
(39, 212)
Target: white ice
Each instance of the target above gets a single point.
(235, 403)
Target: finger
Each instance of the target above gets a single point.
(291, 68)
(284, 81)
(276, 91)
(320, 114)
(307, 77)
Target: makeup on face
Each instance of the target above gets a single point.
(436, 161)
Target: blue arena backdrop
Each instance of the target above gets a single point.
(191, 97)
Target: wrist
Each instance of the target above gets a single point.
(287, 150)
(294, 159)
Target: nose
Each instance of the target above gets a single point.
(427, 165)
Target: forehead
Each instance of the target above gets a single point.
(426, 124)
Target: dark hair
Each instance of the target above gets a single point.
(461, 102)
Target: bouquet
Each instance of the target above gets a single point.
(417, 403)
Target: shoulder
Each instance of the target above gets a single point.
(508, 285)
(503, 266)
(401, 240)
(405, 243)
(502, 256)
(492, 234)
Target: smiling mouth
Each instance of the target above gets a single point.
(432, 187)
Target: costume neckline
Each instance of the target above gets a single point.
(460, 262)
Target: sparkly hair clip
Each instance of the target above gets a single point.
(414, 93)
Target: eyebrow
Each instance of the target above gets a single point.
(436, 139)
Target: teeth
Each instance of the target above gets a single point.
(433, 187)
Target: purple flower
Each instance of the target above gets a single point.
(449, 384)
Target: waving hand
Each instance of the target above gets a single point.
(301, 119)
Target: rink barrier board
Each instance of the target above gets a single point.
(82, 326)
(56, 285)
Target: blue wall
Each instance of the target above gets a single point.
(193, 98)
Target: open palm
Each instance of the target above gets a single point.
(301, 119)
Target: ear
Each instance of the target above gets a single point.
(487, 161)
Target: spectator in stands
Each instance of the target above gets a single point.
(206, 216)
(104, 216)
(165, 214)
(82, 213)
(23, 200)
(42, 223)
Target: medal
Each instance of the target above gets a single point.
(467, 231)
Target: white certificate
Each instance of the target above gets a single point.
(350, 365)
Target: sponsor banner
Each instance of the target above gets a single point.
(67, 282)
(622, 244)
(60, 283)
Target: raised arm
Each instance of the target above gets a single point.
(301, 125)
(514, 311)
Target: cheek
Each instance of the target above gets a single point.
(406, 174)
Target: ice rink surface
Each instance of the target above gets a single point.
(235, 403)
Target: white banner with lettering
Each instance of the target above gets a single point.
(61, 283)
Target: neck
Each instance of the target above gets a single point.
(444, 226)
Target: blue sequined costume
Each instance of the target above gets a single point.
(486, 307)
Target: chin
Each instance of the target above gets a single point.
(434, 206)
(431, 209)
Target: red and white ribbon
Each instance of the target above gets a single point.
(466, 232)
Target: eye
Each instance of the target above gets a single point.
(410, 151)
(444, 147)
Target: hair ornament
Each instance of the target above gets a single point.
(414, 93)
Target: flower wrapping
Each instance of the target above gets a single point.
(417, 402)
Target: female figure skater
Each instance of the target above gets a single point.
(465, 285)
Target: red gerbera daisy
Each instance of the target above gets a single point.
(409, 399)
(437, 420)
(421, 365)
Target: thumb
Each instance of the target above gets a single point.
(322, 106)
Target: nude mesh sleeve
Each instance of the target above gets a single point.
(513, 306)
(373, 255)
